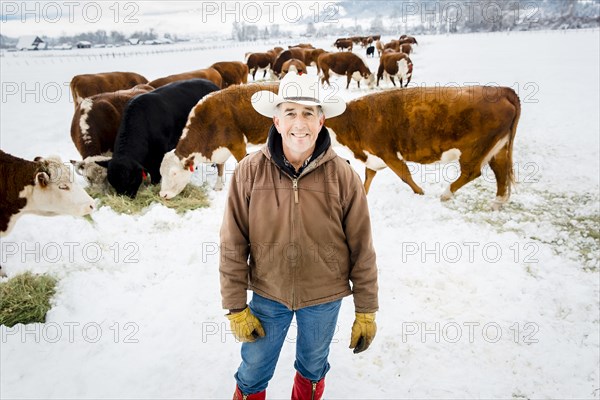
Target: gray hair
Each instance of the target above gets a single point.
(319, 109)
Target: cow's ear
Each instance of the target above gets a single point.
(103, 163)
(42, 179)
(79, 167)
(189, 164)
(38, 159)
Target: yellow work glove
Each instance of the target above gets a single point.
(245, 326)
(364, 329)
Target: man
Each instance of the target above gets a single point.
(296, 232)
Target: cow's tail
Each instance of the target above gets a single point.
(74, 96)
(514, 99)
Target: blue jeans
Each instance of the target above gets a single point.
(316, 326)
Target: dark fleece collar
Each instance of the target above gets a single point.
(276, 149)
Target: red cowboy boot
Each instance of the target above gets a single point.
(306, 390)
(238, 395)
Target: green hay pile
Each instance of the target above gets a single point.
(191, 198)
(25, 299)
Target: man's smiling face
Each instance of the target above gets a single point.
(299, 127)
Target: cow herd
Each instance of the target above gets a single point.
(394, 60)
(128, 129)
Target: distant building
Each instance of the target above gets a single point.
(30, 42)
(83, 44)
(133, 40)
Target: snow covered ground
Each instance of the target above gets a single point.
(474, 304)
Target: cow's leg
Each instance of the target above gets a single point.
(401, 169)
(501, 166)
(254, 74)
(265, 73)
(348, 79)
(219, 184)
(325, 77)
(369, 175)
(392, 79)
(469, 170)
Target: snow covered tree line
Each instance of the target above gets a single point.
(437, 16)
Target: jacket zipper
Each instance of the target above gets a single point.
(295, 187)
(312, 396)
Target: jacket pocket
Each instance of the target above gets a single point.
(331, 257)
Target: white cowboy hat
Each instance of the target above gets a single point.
(301, 89)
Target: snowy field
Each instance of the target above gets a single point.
(474, 304)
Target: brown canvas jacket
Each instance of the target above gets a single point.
(299, 241)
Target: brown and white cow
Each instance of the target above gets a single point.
(311, 57)
(366, 40)
(94, 129)
(475, 125)
(408, 39)
(406, 48)
(221, 125)
(395, 65)
(232, 72)
(210, 74)
(293, 65)
(379, 47)
(302, 46)
(394, 45)
(348, 64)
(87, 85)
(295, 52)
(342, 44)
(96, 120)
(41, 187)
(260, 62)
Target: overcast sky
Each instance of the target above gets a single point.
(55, 18)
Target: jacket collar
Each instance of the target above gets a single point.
(274, 151)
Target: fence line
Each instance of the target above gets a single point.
(84, 54)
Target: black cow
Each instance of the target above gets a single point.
(371, 51)
(151, 126)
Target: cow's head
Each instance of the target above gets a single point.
(55, 191)
(125, 175)
(94, 173)
(175, 173)
(366, 74)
